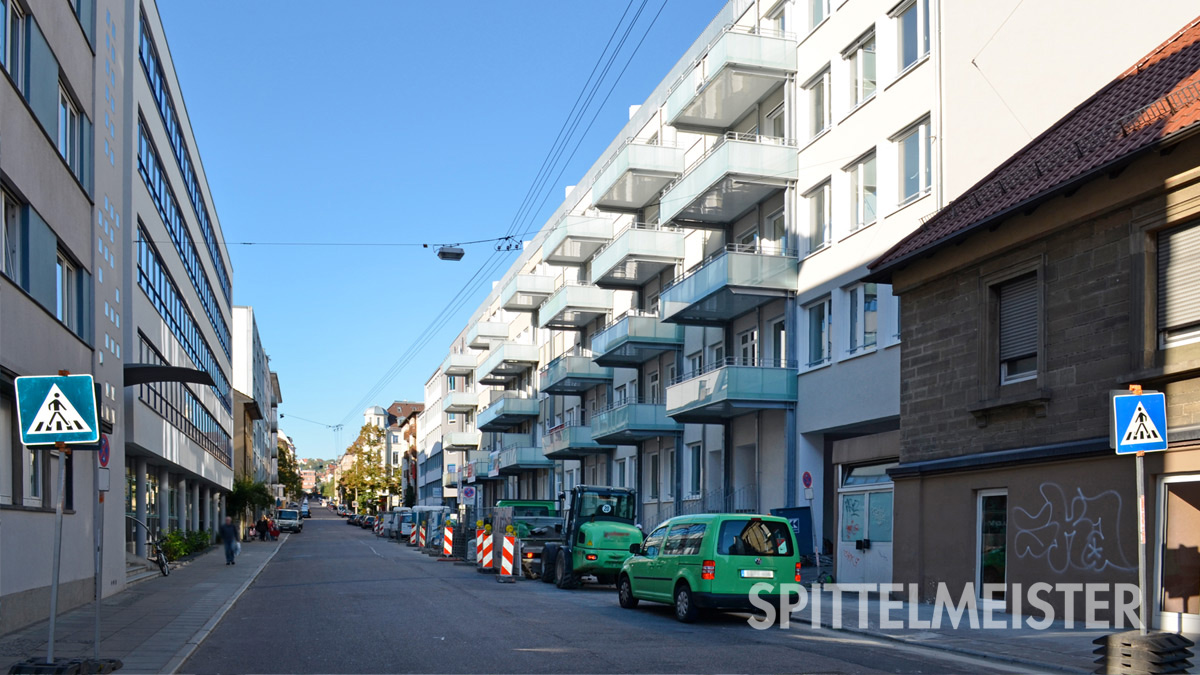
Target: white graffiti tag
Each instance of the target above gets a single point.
(1078, 533)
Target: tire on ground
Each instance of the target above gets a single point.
(564, 573)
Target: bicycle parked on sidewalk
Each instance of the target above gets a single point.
(159, 557)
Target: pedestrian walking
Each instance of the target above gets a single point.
(262, 528)
(229, 537)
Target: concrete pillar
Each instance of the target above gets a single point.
(139, 508)
(181, 504)
(195, 499)
(206, 509)
(164, 501)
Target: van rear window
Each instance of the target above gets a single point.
(530, 511)
(288, 514)
(755, 537)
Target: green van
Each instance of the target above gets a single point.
(710, 561)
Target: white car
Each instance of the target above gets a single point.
(288, 520)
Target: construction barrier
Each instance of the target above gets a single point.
(421, 536)
(479, 544)
(448, 542)
(485, 553)
(506, 557)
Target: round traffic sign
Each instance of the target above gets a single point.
(103, 454)
(807, 479)
(468, 492)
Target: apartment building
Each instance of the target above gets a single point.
(401, 446)
(256, 399)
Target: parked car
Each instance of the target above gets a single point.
(304, 512)
(710, 561)
(352, 519)
(367, 523)
(288, 520)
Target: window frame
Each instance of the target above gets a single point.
(980, 495)
(695, 468)
(921, 129)
(819, 110)
(775, 118)
(10, 236)
(653, 476)
(819, 241)
(14, 64)
(854, 56)
(67, 295)
(9, 445)
(1168, 336)
(922, 28)
(857, 333)
(818, 12)
(826, 306)
(1002, 365)
(69, 127)
(858, 193)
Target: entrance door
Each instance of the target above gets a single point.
(1179, 555)
(865, 537)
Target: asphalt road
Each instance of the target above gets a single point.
(337, 599)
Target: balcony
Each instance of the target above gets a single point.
(739, 69)
(572, 374)
(459, 401)
(634, 339)
(479, 470)
(633, 421)
(731, 388)
(509, 410)
(572, 442)
(484, 334)
(574, 306)
(732, 177)
(507, 360)
(729, 284)
(639, 253)
(460, 364)
(575, 239)
(635, 176)
(519, 453)
(460, 440)
(450, 479)
(526, 292)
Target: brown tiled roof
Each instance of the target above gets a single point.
(402, 410)
(1157, 98)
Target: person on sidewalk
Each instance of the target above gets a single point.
(229, 536)
(262, 528)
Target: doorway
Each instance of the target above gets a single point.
(1178, 587)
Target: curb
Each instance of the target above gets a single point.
(176, 662)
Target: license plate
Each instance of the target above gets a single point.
(758, 574)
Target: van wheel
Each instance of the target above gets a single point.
(625, 593)
(564, 576)
(685, 608)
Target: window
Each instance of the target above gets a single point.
(818, 103)
(819, 346)
(33, 476)
(14, 47)
(817, 11)
(913, 22)
(915, 151)
(717, 353)
(670, 471)
(1018, 333)
(1179, 286)
(694, 456)
(863, 191)
(620, 473)
(66, 293)
(991, 563)
(10, 237)
(696, 363)
(864, 313)
(818, 217)
(776, 227)
(68, 130)
(747, 342)
(7, 425)
(860, 63)
(775, 123)
(653, 395)
(654, 542)
(779, 342)
(775, 20)
(652, 463)
(755, 537)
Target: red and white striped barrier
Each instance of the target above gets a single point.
(447, 541)
(479, 545)
(421, 536)
(485, 556)
(506, 556)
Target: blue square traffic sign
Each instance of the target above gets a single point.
(57, 409)
(1140, 422)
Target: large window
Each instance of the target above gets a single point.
(10, 237)
(776, 122)
(818, 103)
(915, 152)
(695, 455)
(860, 63)
(991, 545)
(1179, 286)
(912, 21)
(67, 291)
(817, 11)
(13, 49)
(819, 333)
(69, 139)
(864, 324)
(863, 191)
(776, 233)
(8, 425)
(819, 217)
(1018, 328)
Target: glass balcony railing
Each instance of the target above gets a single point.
(460, 364)
(459, 401)
(729, 284)
(484, 334)
(450, 479)
(479, 470)
(635, 338)
(637, 254)
(507, 411)
(514, 460)
(636, 175)
(572, 442)
(574, 306)
(730, 178)
(526, 292)
(632, 421)
(575, 239)
(739, 69)
(458, 440)
(731, 388)
(506, 361)
(572, 374)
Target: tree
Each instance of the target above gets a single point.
(365, 479)
(289, 477)
(248, 494)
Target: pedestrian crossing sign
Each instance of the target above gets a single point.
(1140, 422)
(57, 409)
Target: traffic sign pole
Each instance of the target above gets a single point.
(63, 453)
(1141, 497)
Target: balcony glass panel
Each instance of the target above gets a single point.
(732, 388)
(634, 339)
(460, 364)
(460, 439)
(635, 176)
(573, 374)
(732, 177)
(524, 458)
(575, 239)
(637, 254)
(507, 411)
(459, 401)
(731, 283)
(574, 306)
(739, 69)
(526, 292)
(633, 421)
(571, 442)
(506, 361)
(484, 334)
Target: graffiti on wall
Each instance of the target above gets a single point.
(1072, 531)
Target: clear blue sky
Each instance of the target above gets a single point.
(397, 122)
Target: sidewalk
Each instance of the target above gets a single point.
(154, 625)
(1056, 648)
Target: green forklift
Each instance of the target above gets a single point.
(596, 538)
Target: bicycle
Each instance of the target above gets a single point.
(159, 558)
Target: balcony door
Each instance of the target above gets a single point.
(747, 344)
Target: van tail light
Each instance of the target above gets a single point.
(797, 572)
(529, 554)
(708, 570)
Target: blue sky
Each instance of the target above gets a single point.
(387, 123)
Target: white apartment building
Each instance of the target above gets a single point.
(692, 319)
(256, 400)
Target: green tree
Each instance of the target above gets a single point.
(248, 494)
(289, 476)
(366, 481)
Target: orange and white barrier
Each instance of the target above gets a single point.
(506, 556)
(479, 544)
(485, 556)
(447, 541)
(421, 536)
